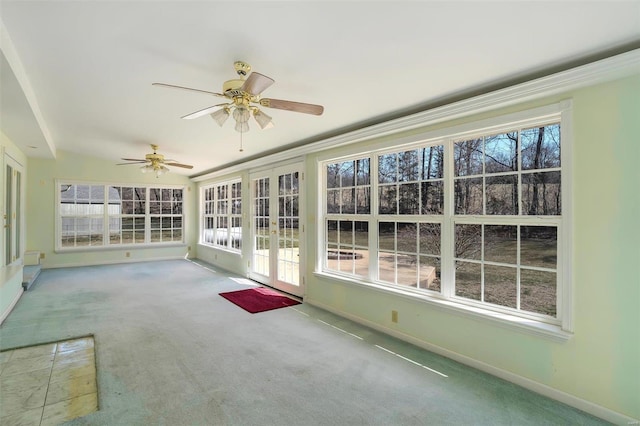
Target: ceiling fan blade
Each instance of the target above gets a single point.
(133, 159)
(173, 86)
(202, 112)
(184, 166)
(134, 162)
(292, 106)
(256, 83)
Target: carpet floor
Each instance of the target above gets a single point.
(170, 351)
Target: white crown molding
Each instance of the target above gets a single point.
(609, 69)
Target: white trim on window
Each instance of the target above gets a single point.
(559, 325)
(105, 217)
(210, 233)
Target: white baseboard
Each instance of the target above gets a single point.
(6, 313)
(540, 388)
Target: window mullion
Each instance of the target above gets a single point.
(373, 218)
(105, 216)
(447, 235)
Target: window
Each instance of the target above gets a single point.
(222, 219)
(98, 215)
(474, 218)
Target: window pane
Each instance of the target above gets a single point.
(363, 172)
(539, 246)
(467, 157)
(430, 238)
(432, 197)
(538, 291)
(387, 198)
(332, 232)
(386, 267)
(347, 174)
(155, 222)
(361, 234)
(433, 162)
(387, 170)
(429, 273)
(127, 207)
(468, 280)
(407, 237)
(407, 269)
(500, 153)
(386, 236)
(346, 233)
(408, 166)
(333, 175)
(409, 198)
(541, 194)
(363, 200)
(333, 200)
(155, 207)
(468, 242)
(468, 196)
(348, 201)
(541, 147)
(500, 285)
(501, 243)
(502, 195)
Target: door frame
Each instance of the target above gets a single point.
(14, 211)
(273, 173)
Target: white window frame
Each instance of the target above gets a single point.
(106, 245)
(209, 236)
(560, 327)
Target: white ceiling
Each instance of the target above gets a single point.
(77, 76)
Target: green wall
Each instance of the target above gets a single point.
(42, 175)
(600, 363)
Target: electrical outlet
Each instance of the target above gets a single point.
(127, 254)
(41, 255)
(189, 248)
(394, 316)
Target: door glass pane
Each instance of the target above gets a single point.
(288, 229)
(261, 227)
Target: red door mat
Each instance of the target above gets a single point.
(259, 299)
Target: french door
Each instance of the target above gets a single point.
(276, 231)
(12, 213)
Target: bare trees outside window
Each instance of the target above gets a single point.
(493, 200)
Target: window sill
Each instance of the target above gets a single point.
(512, 322)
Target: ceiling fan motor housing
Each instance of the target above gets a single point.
(154, 157)
(232, 87)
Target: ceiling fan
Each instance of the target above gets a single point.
(244, 99)
(155, 163)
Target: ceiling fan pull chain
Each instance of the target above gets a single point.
(241, 141)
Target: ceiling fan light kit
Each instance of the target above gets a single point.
(221, 115)
(244, 98)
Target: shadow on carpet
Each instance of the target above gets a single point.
(259, 299)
